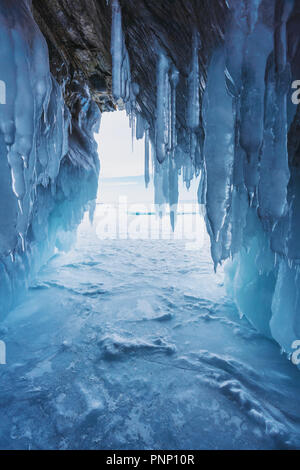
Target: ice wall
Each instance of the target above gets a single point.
(49, 164)
(237, 126)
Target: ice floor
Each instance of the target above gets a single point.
(134, 345)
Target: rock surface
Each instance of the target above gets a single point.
(78, 34)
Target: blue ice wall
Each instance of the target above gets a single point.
(48, 158)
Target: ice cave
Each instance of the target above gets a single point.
(149, 224)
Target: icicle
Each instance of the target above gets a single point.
(174, 82)
(258, 46)
(193, 105)
(140, 126)
(219, 144)
(126, 89)
(173, 191)
(274, 170)
(116, 49)
(133, 125)
(169, 117)
(123, 90)
(201, 193)
(8, 76)
(188, 172)
(160, 182)
(147, 175)
(162, 107)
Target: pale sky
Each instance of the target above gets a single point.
(117, 160)
(115, 147)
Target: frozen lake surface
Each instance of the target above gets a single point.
(134, 345)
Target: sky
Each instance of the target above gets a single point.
(115, 147)
(121, 183)
(118, 161)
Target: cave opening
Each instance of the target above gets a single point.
(122, 182)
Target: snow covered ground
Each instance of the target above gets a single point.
(133, 344)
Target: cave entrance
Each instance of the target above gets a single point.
(134, 236)
(126, 205)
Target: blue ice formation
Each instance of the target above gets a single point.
(49, 162)
(241, 133)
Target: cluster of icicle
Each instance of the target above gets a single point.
(124, 90)
(236, 139)
(167, 155)
(36, 184)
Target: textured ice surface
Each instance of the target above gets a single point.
(135, 345)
